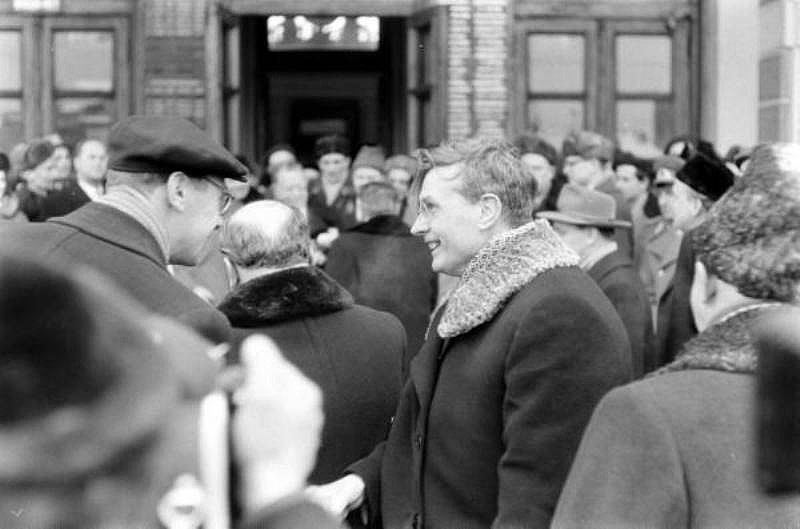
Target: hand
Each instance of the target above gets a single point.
(277, 425)
(326, 238)
(338, 497)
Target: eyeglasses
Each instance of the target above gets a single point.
(225, 199)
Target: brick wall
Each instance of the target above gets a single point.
(478, 42)
(174, 59)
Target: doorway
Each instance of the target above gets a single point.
(296, 95)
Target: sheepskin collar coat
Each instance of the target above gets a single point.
(288, 294)
(677, 449)
(499, 393)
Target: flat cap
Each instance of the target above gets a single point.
(159, 144)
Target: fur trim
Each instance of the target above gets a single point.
(285, 295)
(498, 271)
(723, 346)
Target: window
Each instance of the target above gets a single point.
(11, 97)
(427, 77)
(627, 79)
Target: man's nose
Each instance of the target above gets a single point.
(420, 226)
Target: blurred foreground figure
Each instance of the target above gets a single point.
(678, 449)
(98, 412)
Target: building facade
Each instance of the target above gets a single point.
(404, 73)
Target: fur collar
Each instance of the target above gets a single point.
(498, 271)
(723, 346)
(284, 295)
(384, 225)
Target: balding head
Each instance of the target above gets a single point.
(267, 234)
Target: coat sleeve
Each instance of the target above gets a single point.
(627, 472)
(565, 355)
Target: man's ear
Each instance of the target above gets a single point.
(177, 187)
(491, 210)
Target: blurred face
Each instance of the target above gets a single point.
(290, 187)
(401, 180)
(447, 221)
(91, 162)
(280, 158)
(627, 183)
(63, 162)
(581, 171)
(333, 168)
(43, 177)
(677, 201)
(541, 170)
(575, 237)
(365, 175)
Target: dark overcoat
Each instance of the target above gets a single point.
(617, 278)
(499, 395)
(65, 200)
(677, 450)
(675, 319)
(385, 267)
(352, 352)
(120, 247)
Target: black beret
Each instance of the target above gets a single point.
(707, 175)
(160, 144)
(332, 143)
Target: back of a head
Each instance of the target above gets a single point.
(379, 198)
(267, 234)
(752, 234)
(531, 143)
(490, 166)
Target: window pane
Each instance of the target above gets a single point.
(11, 130)
(644, 64)
(555, 118)
(644, 127)
(10, 60)
(84, 117)
(556, 63)
(83, 60)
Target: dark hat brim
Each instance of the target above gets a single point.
(583, 220)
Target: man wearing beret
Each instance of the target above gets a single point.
(166, 192)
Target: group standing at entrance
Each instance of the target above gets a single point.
(588, 363)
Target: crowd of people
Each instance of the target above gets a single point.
(488, 333)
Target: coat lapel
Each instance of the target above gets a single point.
(425, 366)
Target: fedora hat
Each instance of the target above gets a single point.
(582, 206)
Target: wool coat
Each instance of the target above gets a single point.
(677, 450)
(500, 393)
(118, 246)
(65, 200)
(341, 213)
(352, 352)
(385, 267)
(618, 280)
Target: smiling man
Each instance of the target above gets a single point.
(513, 364)
(165, 197)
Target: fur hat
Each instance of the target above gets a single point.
(370, 156)
(332, 143)
(530, 143)
(581, 206)
(707, 175)
(751, 237)
(588, 144)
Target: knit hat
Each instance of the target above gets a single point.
(36, 153)
(401, 161)
(751, 237)
(530, 143)
(370, 156)
(707, 175)
(332, 143)
(581, 206)
(588, 144)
